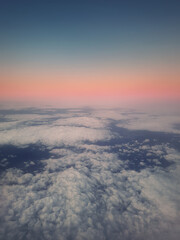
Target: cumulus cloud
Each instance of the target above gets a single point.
(146, 120)
(90, 122)
(52, 135)
(87, 190)
(160, 123)
(81, 196)
(61, 129)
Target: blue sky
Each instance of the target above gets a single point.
(120, 40)
(86, 29)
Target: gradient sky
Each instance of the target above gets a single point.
(93, 50)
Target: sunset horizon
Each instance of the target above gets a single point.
(89, 120)
(96, 50)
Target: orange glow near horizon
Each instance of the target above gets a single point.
(110, 83)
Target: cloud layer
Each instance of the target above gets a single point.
(95, 184)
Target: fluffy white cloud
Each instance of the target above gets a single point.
(159, 123)
(89, 191)
(58, 129)
(83, 197)
(85, 121)
(52, 135)
(146, 120)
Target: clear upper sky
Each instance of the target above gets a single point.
(82, 34)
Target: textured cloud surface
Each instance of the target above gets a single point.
(87, 178)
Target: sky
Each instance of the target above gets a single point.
(89, 51)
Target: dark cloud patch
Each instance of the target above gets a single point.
(32, 111)
(48, 110)
(124, 135)
(136, 158)
(177, 126)
(4, 119)
(27, 158)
